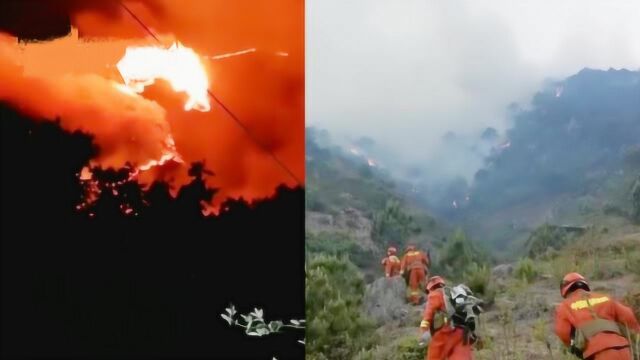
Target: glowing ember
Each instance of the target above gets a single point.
(228, 55)
(85, 174)
(91, 190)
(178, 65)
(92, 186)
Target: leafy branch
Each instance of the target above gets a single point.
(255, 325)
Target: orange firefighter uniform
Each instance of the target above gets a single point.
(415, 263)
(391, 263)
(447, 342)
(596, 316)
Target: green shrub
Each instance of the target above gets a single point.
(526, 270)
(339, 244)
(601, 268)
(545, 237)
(334, 290)
(631, 260)
(458, 253)
(408, 349)
(562, 265)
(403, 348)
(393, 225)
(478, 279)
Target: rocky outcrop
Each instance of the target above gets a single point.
(348, 220)
(385, 301)
(502, 271)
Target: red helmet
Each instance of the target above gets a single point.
(569, 280)
(434, 282)
(391, 250)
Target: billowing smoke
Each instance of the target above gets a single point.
(126, 128)
(73, 78)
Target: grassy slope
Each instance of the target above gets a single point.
(520, 326)
(520, 323)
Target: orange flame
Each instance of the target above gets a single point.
(179, 65)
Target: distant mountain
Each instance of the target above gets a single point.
(576, 129)
(578, 140)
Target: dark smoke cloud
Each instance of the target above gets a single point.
(48, 19)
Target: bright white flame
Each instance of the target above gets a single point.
(163, 159)
(371, 162)
(179, 65)
(169, 154)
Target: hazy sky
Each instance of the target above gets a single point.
(406, 71)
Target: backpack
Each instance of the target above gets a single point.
(462, 311)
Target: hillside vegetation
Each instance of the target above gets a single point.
(574, 153)
(563, 196)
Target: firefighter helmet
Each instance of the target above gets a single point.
(571, 279)
(435, 282)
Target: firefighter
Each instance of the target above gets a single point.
(391, 263)
(415, 263)
(594, 326)
(446, 341)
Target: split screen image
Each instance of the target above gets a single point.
(320, 179)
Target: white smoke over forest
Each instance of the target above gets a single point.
(407, 73)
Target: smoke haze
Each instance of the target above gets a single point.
(406, 73)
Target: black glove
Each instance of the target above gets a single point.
(575, 351)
